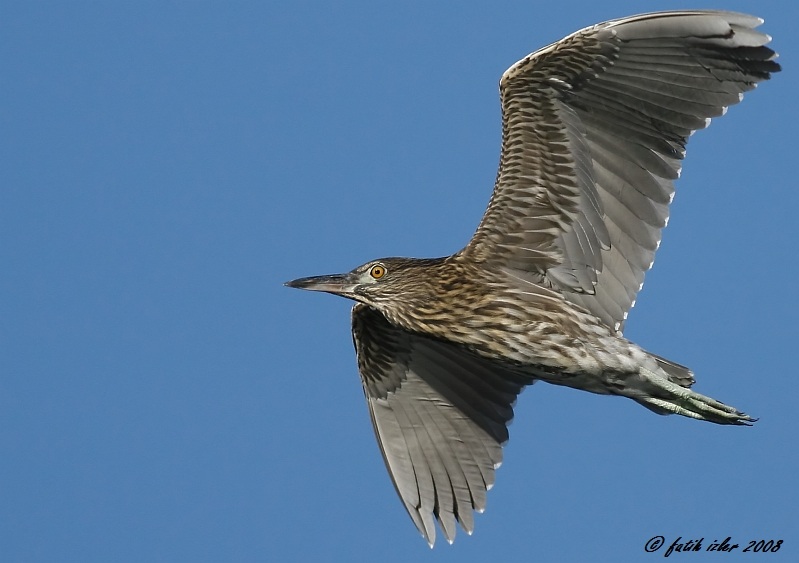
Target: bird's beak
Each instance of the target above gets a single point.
(337, 284)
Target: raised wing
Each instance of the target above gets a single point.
(440, 416)
(594, 129)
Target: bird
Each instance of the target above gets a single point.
(594, 130)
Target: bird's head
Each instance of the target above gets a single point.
(380, 283)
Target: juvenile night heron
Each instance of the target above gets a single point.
(594, 129)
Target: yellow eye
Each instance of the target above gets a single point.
(377, 272)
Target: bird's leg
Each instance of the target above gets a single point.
(666, 397)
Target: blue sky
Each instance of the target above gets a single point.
(165, 167)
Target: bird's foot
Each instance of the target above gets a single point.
(671, 398)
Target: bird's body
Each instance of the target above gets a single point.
(594, 130)
(548, 338)
(468, 305)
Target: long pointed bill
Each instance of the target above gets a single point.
(337, 284)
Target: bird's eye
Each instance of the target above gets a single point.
(377, 272)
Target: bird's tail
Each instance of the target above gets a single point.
(676, 373)
(670, 395)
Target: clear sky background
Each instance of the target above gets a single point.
(165, 167)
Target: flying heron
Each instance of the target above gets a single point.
(594, 129)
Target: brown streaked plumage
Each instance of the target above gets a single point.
(594, 129)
